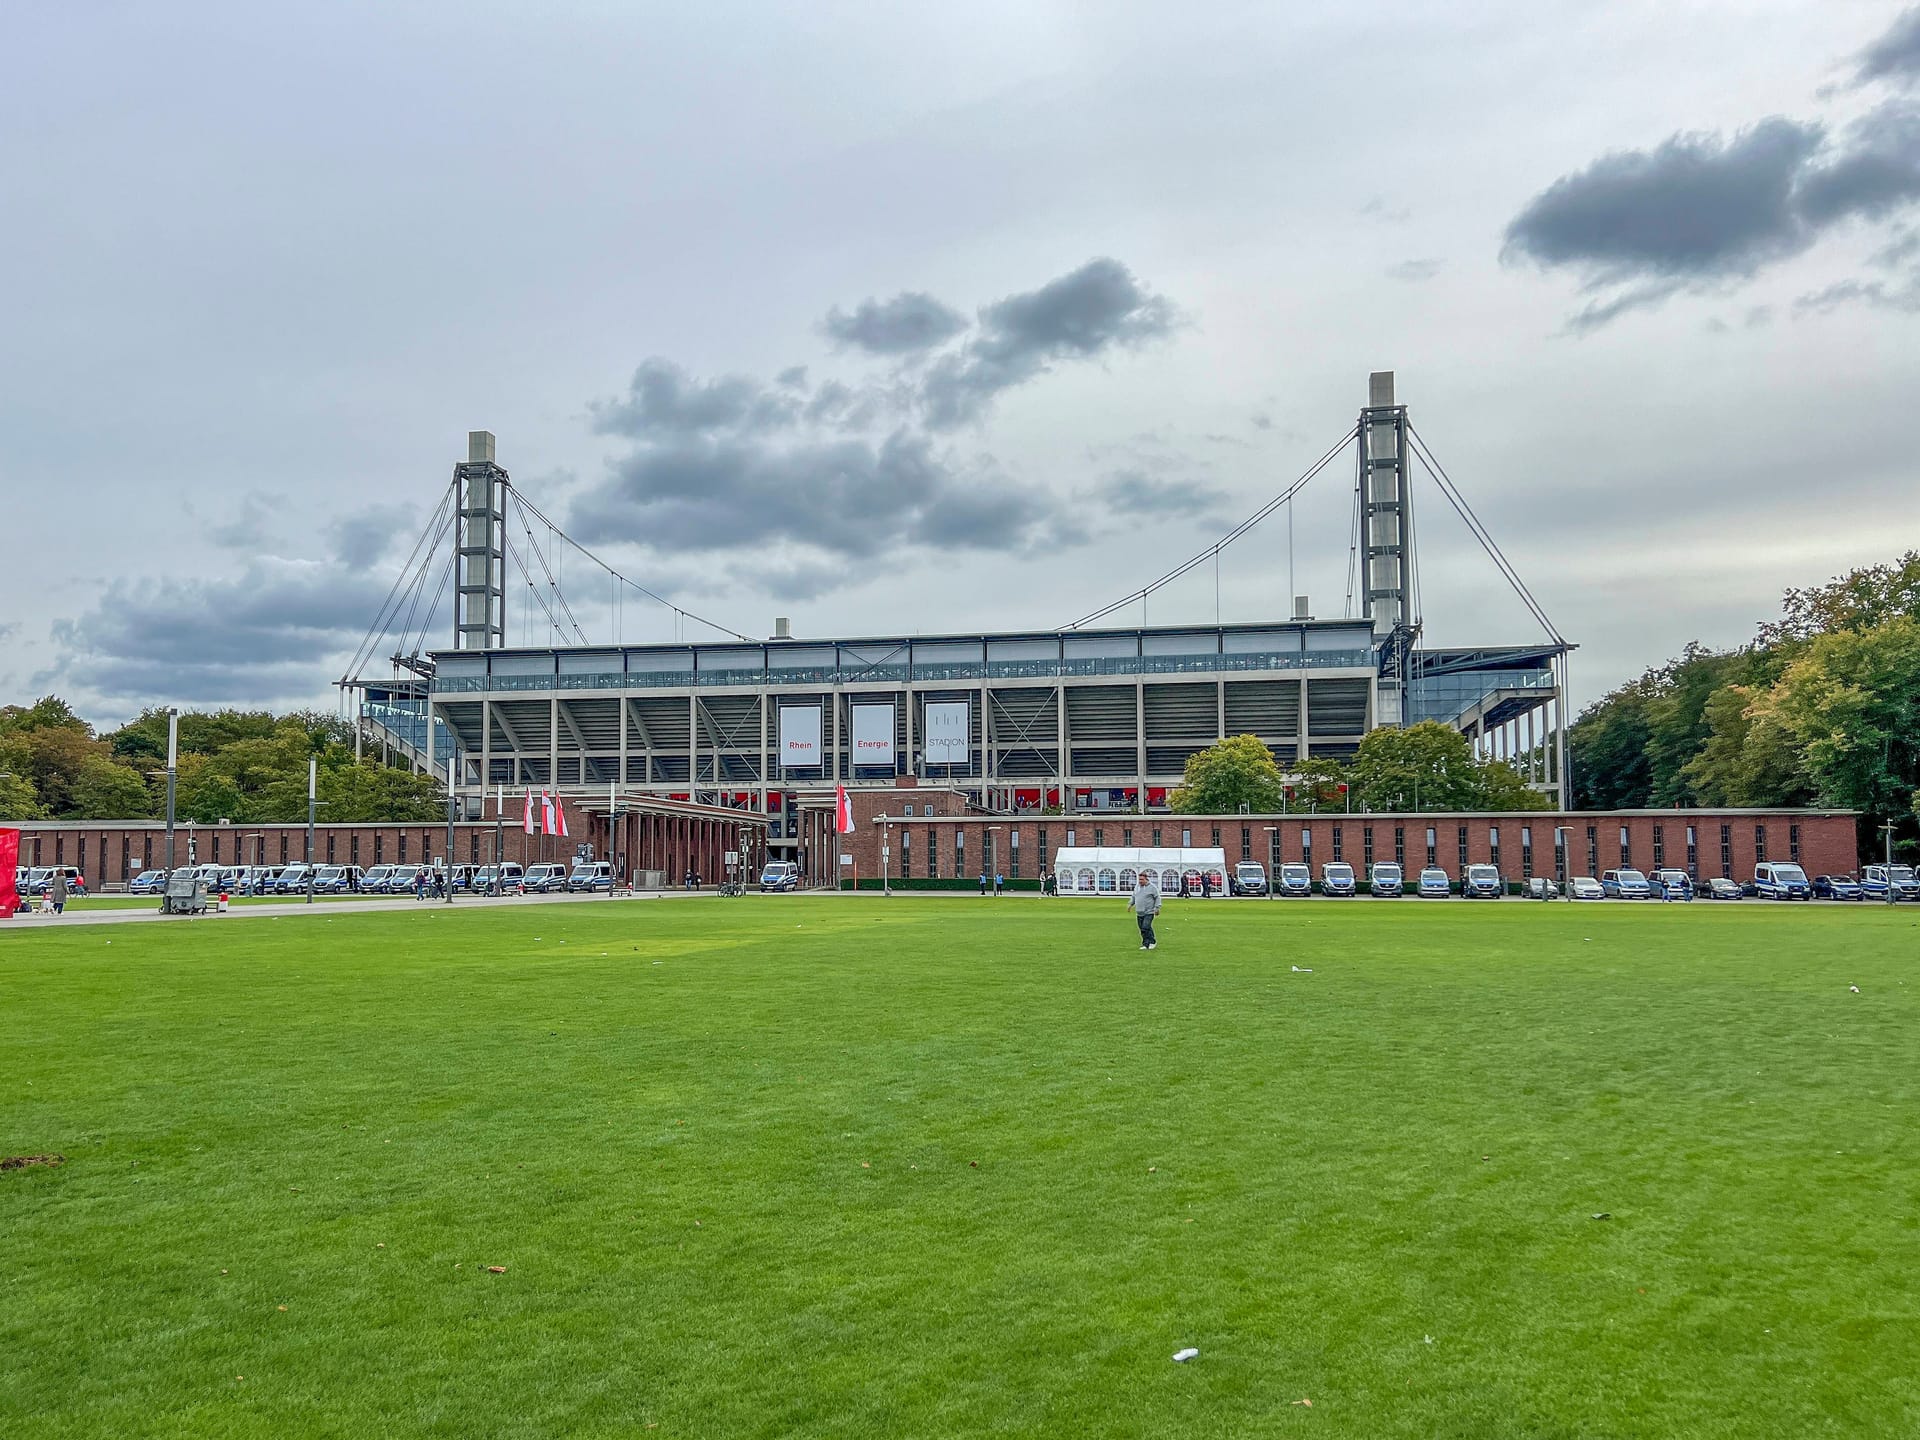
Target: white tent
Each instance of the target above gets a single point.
(1112, 869)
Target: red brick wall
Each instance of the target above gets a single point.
(1826, 841)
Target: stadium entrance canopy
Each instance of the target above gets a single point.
(1111, 870)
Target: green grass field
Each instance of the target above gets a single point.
(856, 1167)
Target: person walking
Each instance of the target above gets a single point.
(983, 882)
(57, 891)
(1145, 903)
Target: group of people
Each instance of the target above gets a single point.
(999, 883)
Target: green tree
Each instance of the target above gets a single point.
(1315, 784)
(106, 791)
(1429, 766)
(17, 798)
(1236, 771)
(1504, 788)
(1858, 600)
(1747, 757)
(1609, 747)
(1851, 703)
(372, 792)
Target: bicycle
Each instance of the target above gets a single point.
(732, 887)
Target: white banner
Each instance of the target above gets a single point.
(800, 736)
(873, 735)
(949, 732)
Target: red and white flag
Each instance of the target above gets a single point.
(842, 811)
(560, 812)
(546, 814)
(527, 824)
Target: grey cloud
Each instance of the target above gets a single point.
(244, 526)
(256, 637)
(794, 377)
(1875, 172)
(1896, 54)
(907, 324)
(1694, 207)
(9, 629)
(663, 399)
(1414, 270)
(1093, 310)
(1699, 212)
(359, 540)
(1134, 492)
(1875, 293)
(1262, 421)
(809, 481)
(849, 496)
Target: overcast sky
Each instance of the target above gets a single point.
(940, 317)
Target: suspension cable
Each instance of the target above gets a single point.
(1212, 552)
(1480, 533)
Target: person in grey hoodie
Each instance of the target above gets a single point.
(1145, 901)
(57, 891)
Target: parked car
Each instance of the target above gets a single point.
(545, 878)
(595, 875)
(1721, 888)
(1337, 879)
(1434, 884)
(337, 879)
(1541, 888)
(293, 879)
(508, 874)
(41, 876)
(1877, 880)
(1837, 887)
(1295, 880)
(780, 875)
(1775, 881)
(402, 879)
(463, 876)
(1386, 880)
(1585, 887)
(1249, 878)
(148, 882)
(1677, 884)
(374, 881)
(1625, 885)
(1482, 882)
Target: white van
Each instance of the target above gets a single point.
(780, 875)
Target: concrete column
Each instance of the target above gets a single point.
(693, 747)
(833, 752)
(763, 752)
(553, 743)
(486, 743)
(1140, 745)
(1064, 767)
(1306, 728)
(907, 698)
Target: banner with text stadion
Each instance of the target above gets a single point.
(949, 732)
(800, 736)
(873, 735)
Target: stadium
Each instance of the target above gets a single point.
(1092, 717)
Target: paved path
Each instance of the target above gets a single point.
(149, 913)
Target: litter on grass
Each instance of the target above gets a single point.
(1298, 971)
(1180, 1357)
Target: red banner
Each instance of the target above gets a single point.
(9, 859)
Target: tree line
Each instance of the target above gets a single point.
(1428, 766)
(246, 766)
(1821, 708)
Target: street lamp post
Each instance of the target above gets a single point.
(173, 770)
(313, 801)
(1560, 858)
(993, 856)
(886, 854)
(1888, 827)
(1273, 868)
(453, 769)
